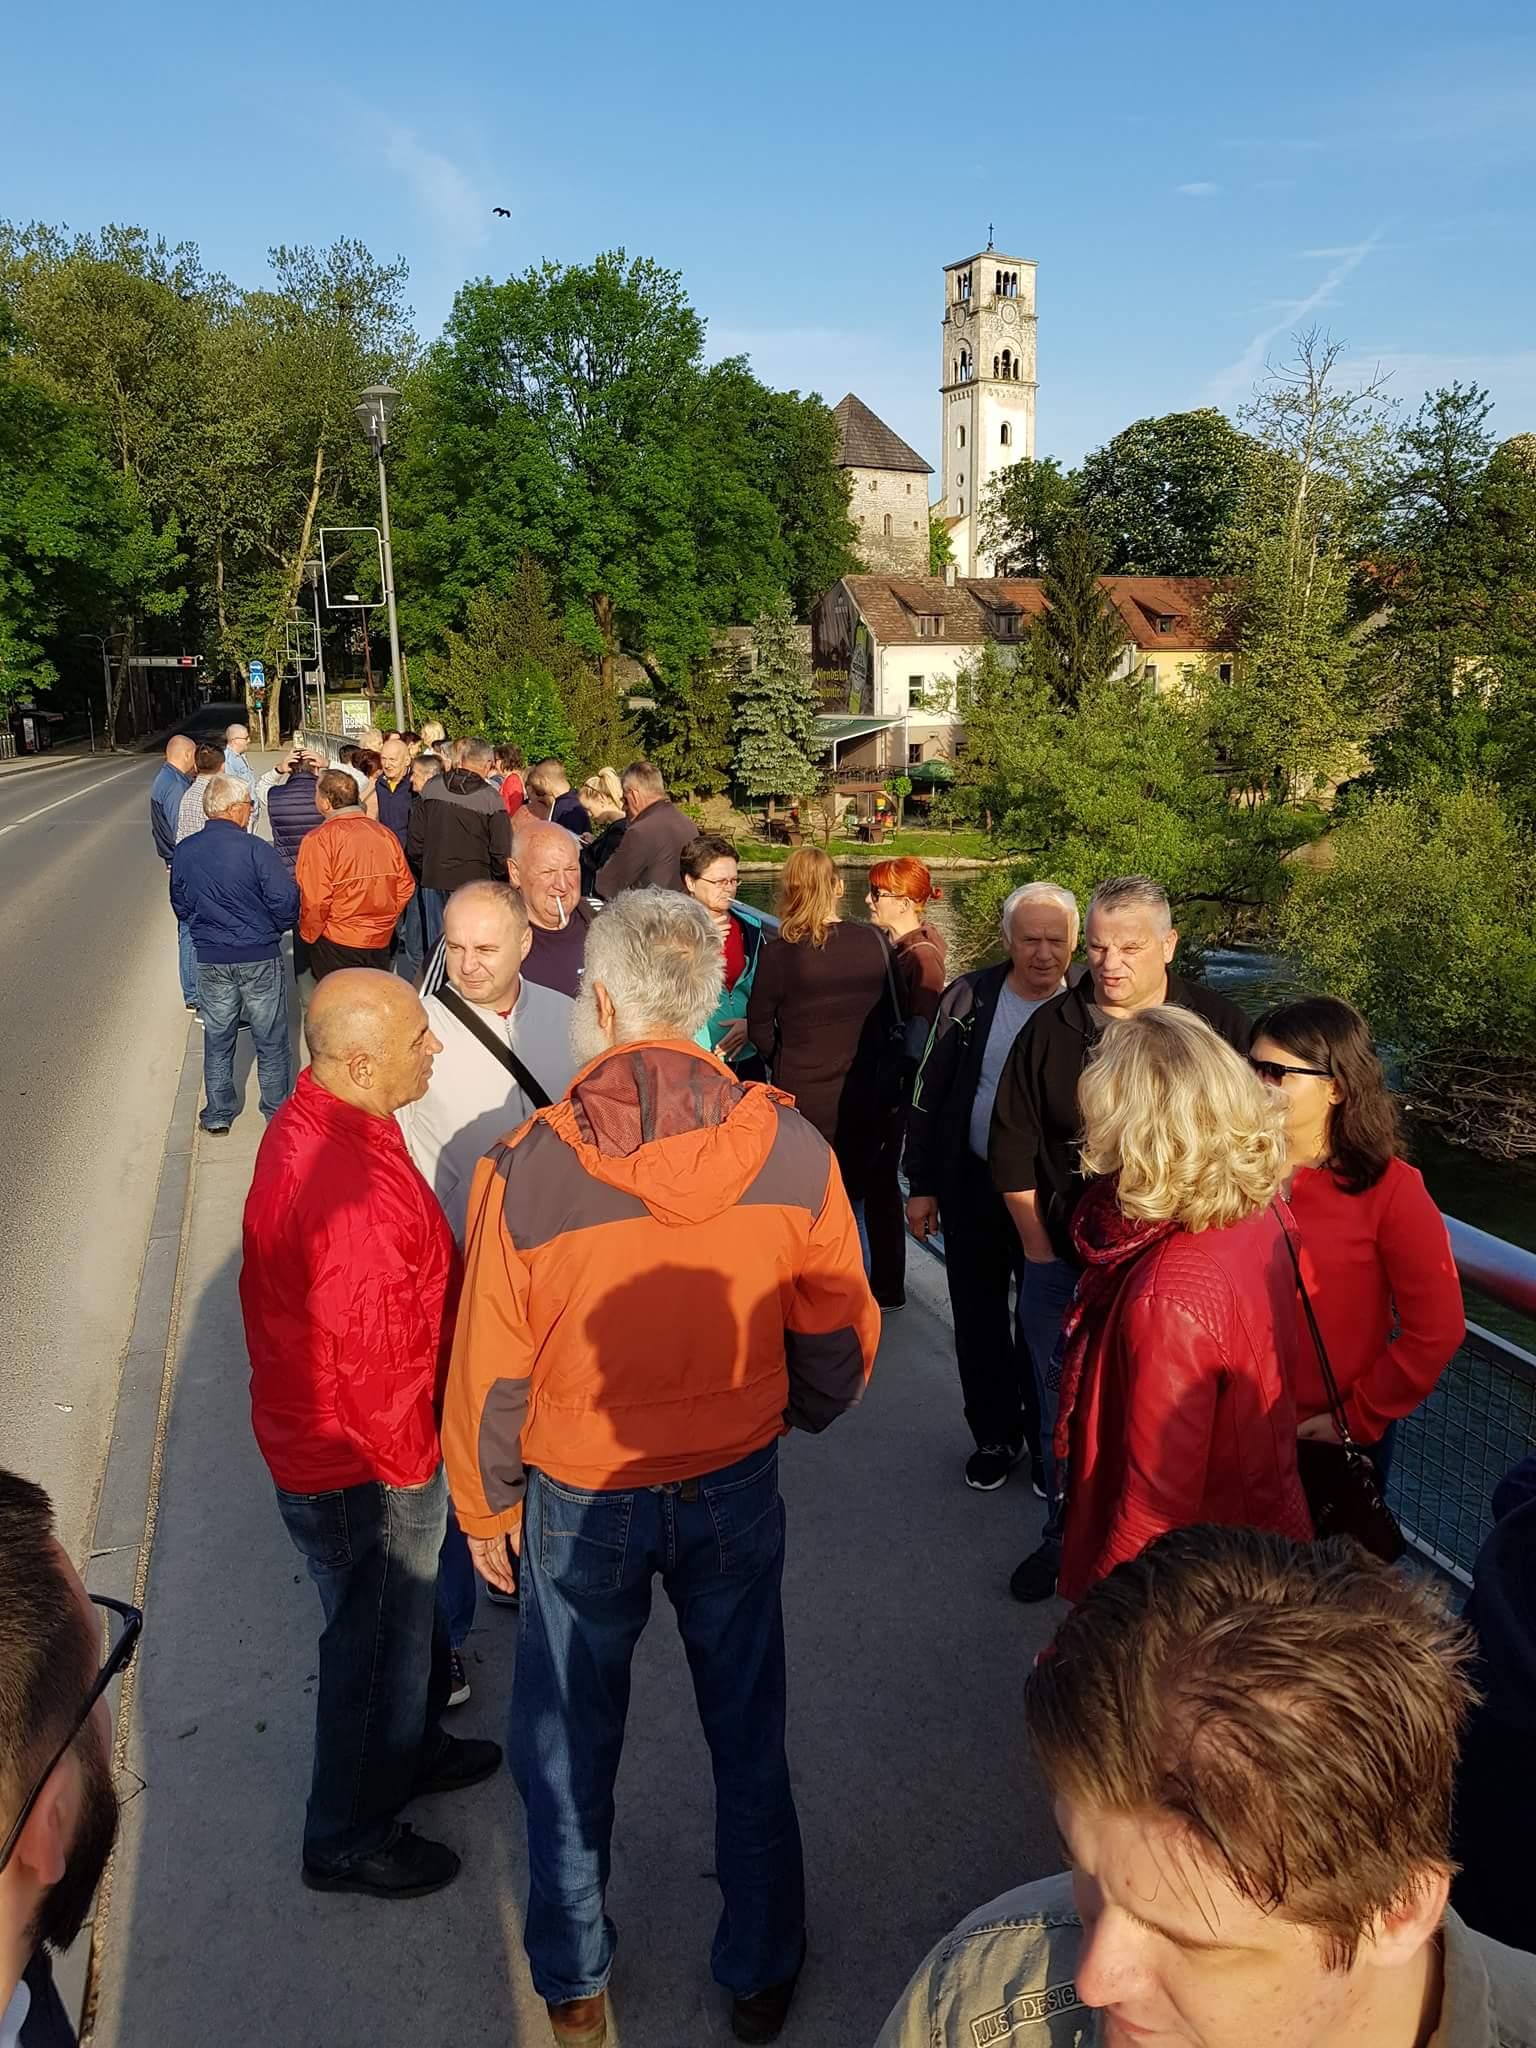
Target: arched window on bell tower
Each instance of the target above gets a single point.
(1007, 362)
(1007, 434)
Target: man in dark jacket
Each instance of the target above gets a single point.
(980, 1017)
(292, 811)
(395, 794)
(648, 854)
(1033, 1152)
(235, 893)
(458, 832)
(165, 795)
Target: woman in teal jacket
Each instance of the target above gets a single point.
(710, 875)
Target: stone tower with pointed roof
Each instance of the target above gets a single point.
(987, 389)
(888, 495)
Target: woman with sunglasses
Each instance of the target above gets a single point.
(1374, 1251)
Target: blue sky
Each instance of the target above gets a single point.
(1193, 182)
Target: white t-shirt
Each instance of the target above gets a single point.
(1013, 1012)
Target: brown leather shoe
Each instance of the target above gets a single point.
(581, 2022)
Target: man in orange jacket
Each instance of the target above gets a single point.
(353, 882)
(662, 1278)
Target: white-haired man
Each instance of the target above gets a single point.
(234, 892)
(1130, 943)
(980, 1016)
(662, 1275)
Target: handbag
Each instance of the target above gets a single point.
(496, 1046)
(1343, 1492)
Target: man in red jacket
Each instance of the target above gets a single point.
(348, 1290)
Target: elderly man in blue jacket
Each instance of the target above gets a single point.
(239, 899)
(165, 795)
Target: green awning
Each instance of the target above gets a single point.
(930, 771)
(838, 731)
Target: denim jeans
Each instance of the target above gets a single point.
(372, 1551)
(1045, 1295)
(456, 1584)
(433, 903)
(186, 962)
(410, 954)
(255, 992)
(587, 1564)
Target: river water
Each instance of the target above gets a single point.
(1488, 1193)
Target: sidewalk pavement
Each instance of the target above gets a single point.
(906, 1653)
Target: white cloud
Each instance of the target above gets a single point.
(1198, 188)
(1234, 382)
(444, 192)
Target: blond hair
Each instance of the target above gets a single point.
(602, 797)
(807, 896)
(1192, 1132)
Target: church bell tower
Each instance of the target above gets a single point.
(986, 386)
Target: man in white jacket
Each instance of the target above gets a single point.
(506, 1052)
(491, 1022)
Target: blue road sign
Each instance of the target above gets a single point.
(258, 675)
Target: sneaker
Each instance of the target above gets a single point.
(459, 1692)
(214, 1130)
(987, 1469)
(1037, 1489)
(407, 1867)
(1035, 1578)
(580, 2022)
(761, 2017)
(457, 1764)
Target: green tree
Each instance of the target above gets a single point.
(1000, 707)
(1163, 495)
(774, 710)
(1080, 637)
(1022, 510)
(1422, 919)
(688, 732)
(492, 681)
(941, 549)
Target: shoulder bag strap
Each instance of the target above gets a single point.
(1335, 1398)
(496, 1046)
(887, 954)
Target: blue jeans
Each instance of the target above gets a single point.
(587, 1564)
(373, 1551)
(456, 1580)
(186, 962)
(410, 954)
(1045, 1295)
(253, 991)
(433, 903)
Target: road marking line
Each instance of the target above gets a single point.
(17, 822)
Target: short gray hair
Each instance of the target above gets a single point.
(1042, 892)
(223, 794)
(477, 750)
(644, 776)
(659, 957)
(238, 726)
(1134, 892)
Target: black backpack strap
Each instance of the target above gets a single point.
(495, 1045)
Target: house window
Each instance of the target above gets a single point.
(1225, 671)
(915, 755)
(887, 526)
(1164, 622)
(1006, 435)
(962, 508)
(872, 482)
(959, 437)
(909, 490)
(1007, 362)
(930, 625)
(914, 693)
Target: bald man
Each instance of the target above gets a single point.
(165, 794)
(546, 867)
(348, 1291)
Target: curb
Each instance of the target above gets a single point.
(118, 1559)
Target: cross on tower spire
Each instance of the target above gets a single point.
(989, 234)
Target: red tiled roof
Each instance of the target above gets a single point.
(971, 607)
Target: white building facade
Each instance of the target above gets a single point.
(987, 390)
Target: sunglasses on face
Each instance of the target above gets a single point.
(1275, 1071)
(128, 1622)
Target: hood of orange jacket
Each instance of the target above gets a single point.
(671, 1125)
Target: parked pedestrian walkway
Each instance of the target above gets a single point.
(906, 1659)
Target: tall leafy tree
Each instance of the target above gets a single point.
(1022, 512)
(774, 713)
(495, 680)
(1163, 495)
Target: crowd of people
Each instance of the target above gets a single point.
(596, 1183)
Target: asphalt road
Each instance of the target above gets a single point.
(93, 1034)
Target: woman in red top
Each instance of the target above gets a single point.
(1180, 1347)
(1374, 1251)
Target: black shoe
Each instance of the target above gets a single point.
(1035, 1578)
(408, 1867)
(761, 2017)
(458, 1763)
(987, 1469)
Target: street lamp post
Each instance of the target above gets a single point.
(312, 577)
(106, 685)
(378, 401)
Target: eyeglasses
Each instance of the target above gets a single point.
(875, 895)
(130, 1621)
(1275, 1071)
